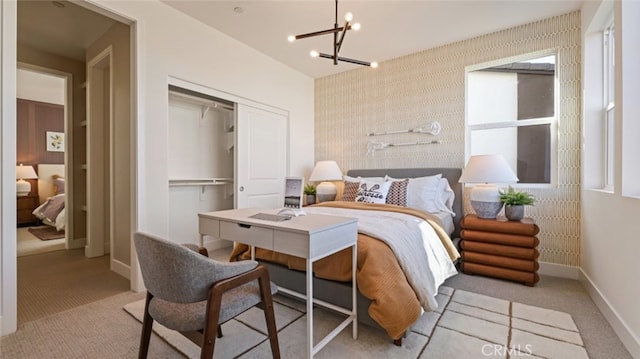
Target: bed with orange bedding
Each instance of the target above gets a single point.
(395, 288)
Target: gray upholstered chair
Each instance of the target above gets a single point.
(193, 294)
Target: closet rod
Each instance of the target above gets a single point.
(202, 101)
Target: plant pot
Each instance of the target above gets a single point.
(514, 213)
(311, 199)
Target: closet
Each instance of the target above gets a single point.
(201, 159)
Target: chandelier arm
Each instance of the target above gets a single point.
(339, 44)
(344, 59)
(317, 33)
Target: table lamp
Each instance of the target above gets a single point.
(486, 171)
(24, 172)
(326, 171)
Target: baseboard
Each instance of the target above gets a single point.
(630, 341)
(559, 270)
(121, 268)
(77, 243)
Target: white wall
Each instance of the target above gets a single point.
(35, 86)
(609, 243)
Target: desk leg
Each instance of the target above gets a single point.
(354, 294)
(309, 309)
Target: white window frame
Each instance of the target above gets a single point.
(551, 121)
(608, 117)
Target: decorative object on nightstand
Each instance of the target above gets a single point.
(514, 202)
(486, 170)
(325, 172)
(310, 193)
(24, 172)
(500, 248)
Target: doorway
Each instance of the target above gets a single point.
(43, 119)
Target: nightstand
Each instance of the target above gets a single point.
(24, 207)
(500, 248)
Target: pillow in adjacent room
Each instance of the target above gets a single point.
(58, 185)
(373, 192)
(398, 192)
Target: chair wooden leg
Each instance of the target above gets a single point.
(147, 324)
(211, 326)
(219, 331)
(269, 316)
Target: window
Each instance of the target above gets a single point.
(511, 110)
(608, 105)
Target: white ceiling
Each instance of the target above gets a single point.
(390, 28)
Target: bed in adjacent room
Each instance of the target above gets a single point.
(51, 190)
(405, 247)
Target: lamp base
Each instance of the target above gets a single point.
(23, 188)
(486, 210)
(485, 200)
(326, 191)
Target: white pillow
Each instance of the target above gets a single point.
(360, 179)
(373, 192)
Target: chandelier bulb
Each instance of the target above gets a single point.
(291, 38)
(348, 16)
(355, 26)
(374, 65)
(314, 53)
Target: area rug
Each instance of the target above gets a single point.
(466, 325)
(46, 233)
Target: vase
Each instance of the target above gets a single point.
(311, 199)
(514, 213)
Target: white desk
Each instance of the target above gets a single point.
(311, 237)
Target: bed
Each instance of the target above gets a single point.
(51, 191)
(396, 284)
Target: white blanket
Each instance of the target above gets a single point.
(415, 244)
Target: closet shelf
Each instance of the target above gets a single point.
(200, 182)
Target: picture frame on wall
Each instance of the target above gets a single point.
(55, 141)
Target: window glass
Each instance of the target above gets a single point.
(511, 110)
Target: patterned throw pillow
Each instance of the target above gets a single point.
(398, 192)
(350, 191)
(373, 192)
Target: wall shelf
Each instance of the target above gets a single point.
(200, 182)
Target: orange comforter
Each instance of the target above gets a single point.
(394, 304)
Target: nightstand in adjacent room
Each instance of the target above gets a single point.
(24, 207)
(500, 248)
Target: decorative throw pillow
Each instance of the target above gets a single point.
(373, 192)
(398, 192)
(350, 191)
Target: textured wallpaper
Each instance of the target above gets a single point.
(411, 91)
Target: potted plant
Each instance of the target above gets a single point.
(514, 202)
(310, 192)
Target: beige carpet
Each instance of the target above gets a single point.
(28, 244)
(53, 282)
(479, 325)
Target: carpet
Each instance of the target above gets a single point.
(46, 233)
(466, 325)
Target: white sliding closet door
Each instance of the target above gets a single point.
(261, 157)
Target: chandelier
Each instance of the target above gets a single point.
(338, 38)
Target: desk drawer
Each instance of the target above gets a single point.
(248, 234)
(296, 244)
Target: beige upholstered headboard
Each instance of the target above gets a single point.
(45, 179)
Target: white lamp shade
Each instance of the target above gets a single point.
(487, 170)
(326, 171)
(24, 172)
